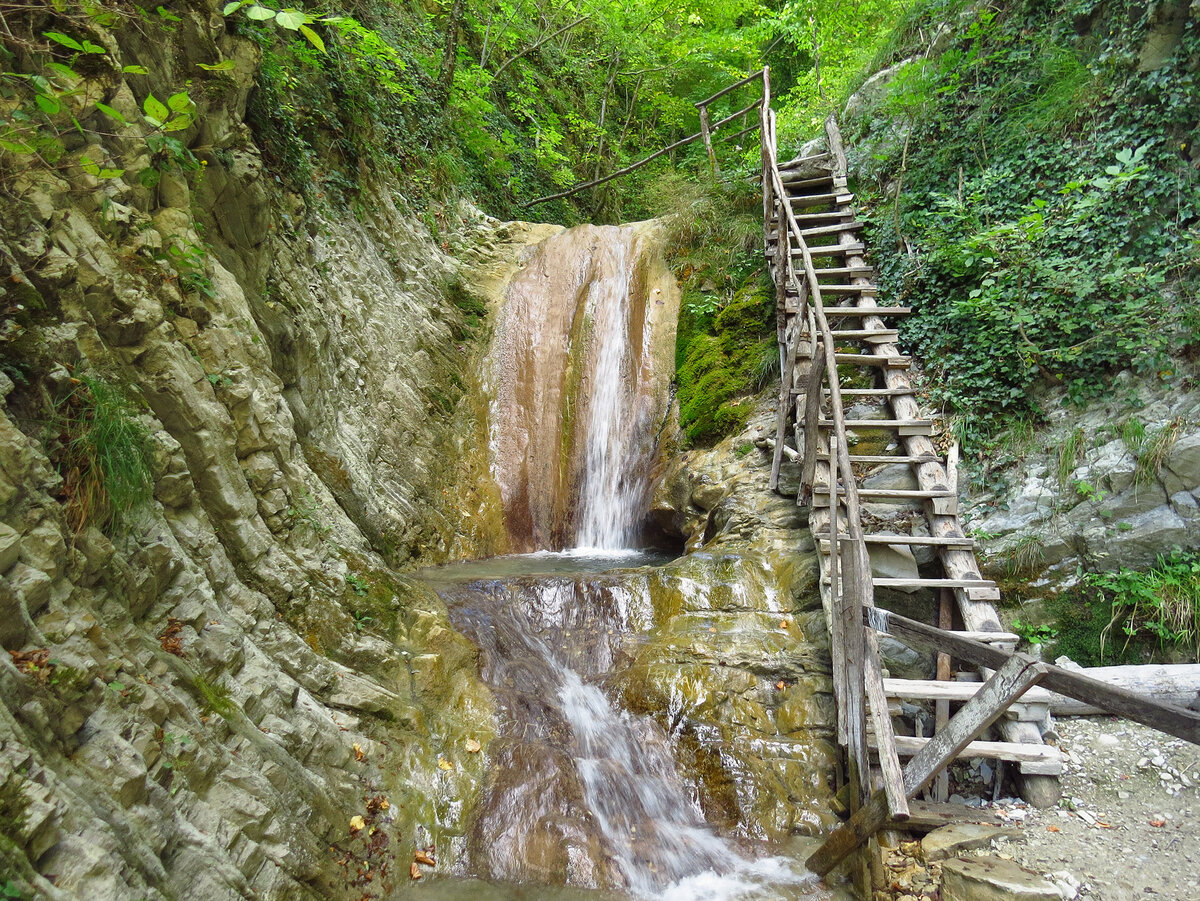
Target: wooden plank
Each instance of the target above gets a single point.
(849, 289)
(1046, 760)
(875, 392)
(1169, 718)
(888, 458)
(865, 333)
(882, 423)
(797, 162)
(925, 816)
(807, 200)
(895, 493)
(941, 690)
(812, 415)
(941, 706)
(831, 229)
(796, 180)
(825, 250)
(873, 360)
(933, 583)
(863, 311)
(1175, 683)
(845, 270)
(1000, 691)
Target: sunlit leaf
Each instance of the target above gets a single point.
(260, 13)
(225, 65)
(291, 18)
(155, 109)
(48, 105)
(180, 102)
(233, 7)
(111, 113)
(135, 70)
(313, 37)
(59, 38)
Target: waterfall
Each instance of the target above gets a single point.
(580, 367)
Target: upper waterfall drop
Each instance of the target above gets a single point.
(580, 369)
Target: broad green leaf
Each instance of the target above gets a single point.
(89, 47)
(180, 102)
(313, 37)
(111, 173)
(154, 108)
(135, 70)
(168, 15)
(88, 166)
(15, 146)
(179, 123)
(59, 38)
(233, 7)
(149, 178)
(224, 65)
(49, 105)
(260, 13)
(111, 113)
(291, 19)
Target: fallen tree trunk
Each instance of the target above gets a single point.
(1177, 683)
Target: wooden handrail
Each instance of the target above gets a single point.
(712, 129)
(753, 76)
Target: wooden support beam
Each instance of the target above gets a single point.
(1169, 718)
(998, 693)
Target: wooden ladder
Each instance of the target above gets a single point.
(830, 321)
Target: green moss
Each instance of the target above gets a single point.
(719, 361)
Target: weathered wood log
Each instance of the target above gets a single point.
(1165, 717)
(1177, 683)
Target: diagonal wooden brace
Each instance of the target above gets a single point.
(1005, 686)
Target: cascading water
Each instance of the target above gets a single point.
(582, 792)
(580, 369)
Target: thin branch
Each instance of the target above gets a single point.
(534, 46)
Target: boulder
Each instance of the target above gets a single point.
(993, 879)
(952, 840)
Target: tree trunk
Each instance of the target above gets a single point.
(450, 54)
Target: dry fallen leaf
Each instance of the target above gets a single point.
(445, 764)
(1158, 823)
(1052, 829)
(780, 685)
(424, 857)
(383, 804)
(414, 872)
(1103, 825)
(358, 752)
(473, 746)
(357, 823)
(783, 624)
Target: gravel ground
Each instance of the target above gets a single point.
(1128, 824)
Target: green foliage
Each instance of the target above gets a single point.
(1131, 616)
(1035, 634)
(1049, 188)
(1163, 602)
(214, 697)
(104, 457)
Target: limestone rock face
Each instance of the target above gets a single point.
(203, 689)
(1130, 492)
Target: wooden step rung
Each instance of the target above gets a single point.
(934, 583)
(858, 271)
(831, 229)
(884, 458)
(849, 289)
(874, 335)
(866, 311)
(904, 426)
(891, 494)
(804, 160)
(827, 216)
(1045, 760)
(937, 690)
(825, 250)
(807, 200)
(918, 540)
(870, 392)
(889, 362)
(793, 183)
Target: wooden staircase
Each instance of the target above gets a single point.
(815, 213)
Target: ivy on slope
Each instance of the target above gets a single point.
(1048, 228)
